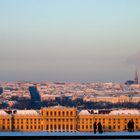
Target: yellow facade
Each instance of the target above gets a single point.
(5, 122)
(109, 122)
(64, 119)
(27, 123)
(59, 119)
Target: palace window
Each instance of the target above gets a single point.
(51, 127)
(59, 126)
(47, 127)
(63, 113)
(21, 126)
(51, 113)
(90, 126)
(71, 127)
(67, 127)
(67, 113)
(71, 113)
(63, 126)
(47, 113)
(21, 121)
(55, 113)
(82, 126)
(8, 127)
(59, 113)
(55, 127)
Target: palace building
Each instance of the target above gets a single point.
(64, 119)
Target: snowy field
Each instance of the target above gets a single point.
(69, 134)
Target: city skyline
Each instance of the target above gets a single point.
(74, 40)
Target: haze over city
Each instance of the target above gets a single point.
(73, 40)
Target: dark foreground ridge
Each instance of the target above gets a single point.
(69, 135)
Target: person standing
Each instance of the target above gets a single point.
(132, 125)
(95, 127)
(129, 126)
(100, 127)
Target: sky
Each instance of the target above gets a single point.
(69, 40)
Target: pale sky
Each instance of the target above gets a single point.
(69, 40)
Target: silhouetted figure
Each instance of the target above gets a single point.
(129, 126)
(132, 125)
(95, 127)
(100, 127)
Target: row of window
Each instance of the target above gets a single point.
(110, 120)
(28, 119)
(5, 128)
(60, 120)
(55, 127)
(59, 113)
(29, 127)
(8, 120)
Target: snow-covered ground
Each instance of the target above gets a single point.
(69, 134)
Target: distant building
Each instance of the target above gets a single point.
(135, 81)
(129, 82)
(136, 78)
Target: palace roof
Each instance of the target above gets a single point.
(125, 112)
(27, 112)
(2, 112)
(84, 112)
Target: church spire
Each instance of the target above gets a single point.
(136, 77)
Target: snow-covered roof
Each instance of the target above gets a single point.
(27, 112)
(125, 112)
(2, 112)
(57, 107)
(84, 112)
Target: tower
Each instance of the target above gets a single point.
(136, 78)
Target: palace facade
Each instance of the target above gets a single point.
(63, 119)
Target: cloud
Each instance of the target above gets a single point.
(134, 59)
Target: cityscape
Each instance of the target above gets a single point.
(69, 107)
(33, 95)
(70, 67)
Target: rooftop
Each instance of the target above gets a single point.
(125, 112)
(2, 112)
(27, 112)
